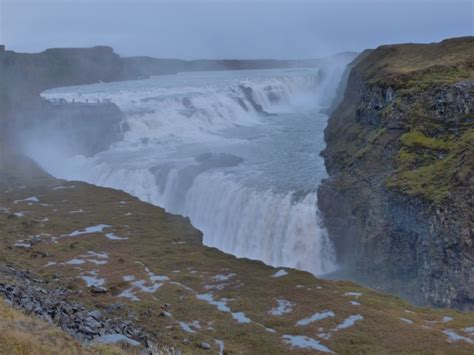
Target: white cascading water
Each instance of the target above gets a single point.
(237, 152)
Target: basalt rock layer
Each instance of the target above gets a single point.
(400, 155)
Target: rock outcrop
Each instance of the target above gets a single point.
(400, 154)
(35, 296)
(25, 76)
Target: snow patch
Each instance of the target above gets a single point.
(75, 262)
(92, 280)
(349, 322)
(29, 199)
(280, 273)
(63, 187)
(223, 277)
(89, 230)
(112, 236)
(454, 337)
(241, 317)
(304, 342)
(220, 344)
(283, 307)
(315, 317)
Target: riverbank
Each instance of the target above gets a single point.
(132, 261)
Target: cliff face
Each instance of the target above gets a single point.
(88, 128)
(25, 75)
(400, 155)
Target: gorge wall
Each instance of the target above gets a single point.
(400, 154)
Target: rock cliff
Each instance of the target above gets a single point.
(400, 155)
(25, 76)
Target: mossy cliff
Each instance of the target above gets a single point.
(400, 155)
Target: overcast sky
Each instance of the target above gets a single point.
(230, 28)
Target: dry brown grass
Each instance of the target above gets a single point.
(169, 245)
(22, 334)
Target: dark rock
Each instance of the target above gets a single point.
(52, 306)
(98, 289)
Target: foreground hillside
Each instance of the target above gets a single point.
(22, 334)
(400, 154)
(104, 265)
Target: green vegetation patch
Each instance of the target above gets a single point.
(417, 139)
(430, 167)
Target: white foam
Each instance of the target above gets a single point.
(173, 119)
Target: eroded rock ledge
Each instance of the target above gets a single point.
(400, 154)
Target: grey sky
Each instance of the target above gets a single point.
(230, 28)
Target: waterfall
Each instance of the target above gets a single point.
(237, 152)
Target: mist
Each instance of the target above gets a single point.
(229, 29)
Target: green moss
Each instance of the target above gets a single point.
(420, 173)
(432, 77)
(418, 139)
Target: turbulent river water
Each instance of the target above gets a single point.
(236, 151)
